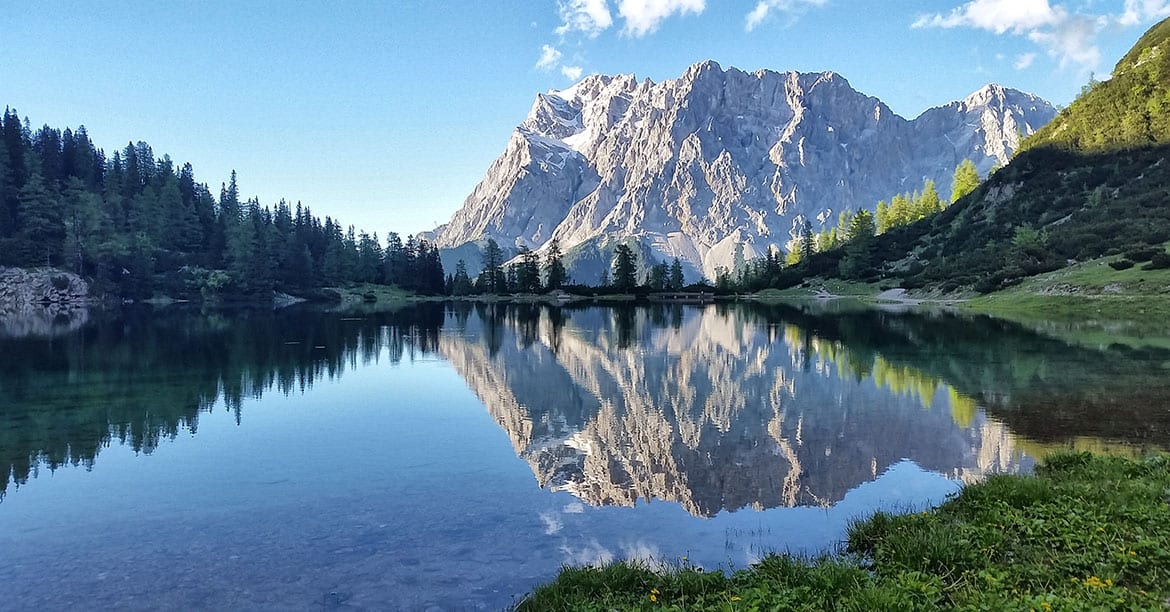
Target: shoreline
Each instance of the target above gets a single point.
(1084, 532)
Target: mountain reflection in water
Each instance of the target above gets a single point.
(715, 408)
(712, 408)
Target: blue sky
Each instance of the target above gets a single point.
(386, 114)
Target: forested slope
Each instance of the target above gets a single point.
(138, 225)
(1095, 181)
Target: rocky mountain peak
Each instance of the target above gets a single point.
(719, 162)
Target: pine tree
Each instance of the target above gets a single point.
(429, 268)
(41, 225)
(929, 202)
(807, 244)
(624, 269)
(369, 259)
(87, 228)
(528, 272)
(555, 268)
(966, 179)
(7, 215)
(656, 276)
(461, 282)
(676, 274)
(510, 278)
(858, 260)
(492, 278)
(394, 261)
(882, 217)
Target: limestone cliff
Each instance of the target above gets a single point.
(718, 161)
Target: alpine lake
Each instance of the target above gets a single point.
(456, 455)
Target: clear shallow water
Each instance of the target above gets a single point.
(454, 457)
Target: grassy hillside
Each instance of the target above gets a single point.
(1131, 109)
(1045, 210)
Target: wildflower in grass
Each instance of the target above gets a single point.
(1094, 582)
(654, 594)
(736, 598)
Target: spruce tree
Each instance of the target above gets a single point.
(41, 225)
(528, 272)
(624, 269)
(461, 282)
(555, 268)
(807, 245)
(492, 278)
(676, 274)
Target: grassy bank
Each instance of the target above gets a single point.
(1093, 289)
(1086, 532)
(821, 287)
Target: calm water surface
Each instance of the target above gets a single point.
(452, 457)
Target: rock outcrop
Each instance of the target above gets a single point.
(22, 288)
(718, 162)
(41, 302)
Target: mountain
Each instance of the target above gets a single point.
(718, 165)
(1091, 183)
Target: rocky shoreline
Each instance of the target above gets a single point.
(22, 289)
(41, 302)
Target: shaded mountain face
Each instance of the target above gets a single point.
(718, 162)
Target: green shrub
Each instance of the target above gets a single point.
(60, 282)
(1142, 253)
(1160, 261)
(1121, 264)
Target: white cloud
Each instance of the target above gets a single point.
(1025, 60)
(1073, 41)
(549, 56)
(552, 523)
(999, 16)
(1067, 36)
(590, 553)
(572, 72)
(644, 16)
(591, 17)
(765, 7)
(1140, 11)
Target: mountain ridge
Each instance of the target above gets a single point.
(719, 164)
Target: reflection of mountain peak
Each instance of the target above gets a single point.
(713, 412)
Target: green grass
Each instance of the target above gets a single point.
(389, 297)
(817, 286)
(1086, 532)
(1085, 291)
